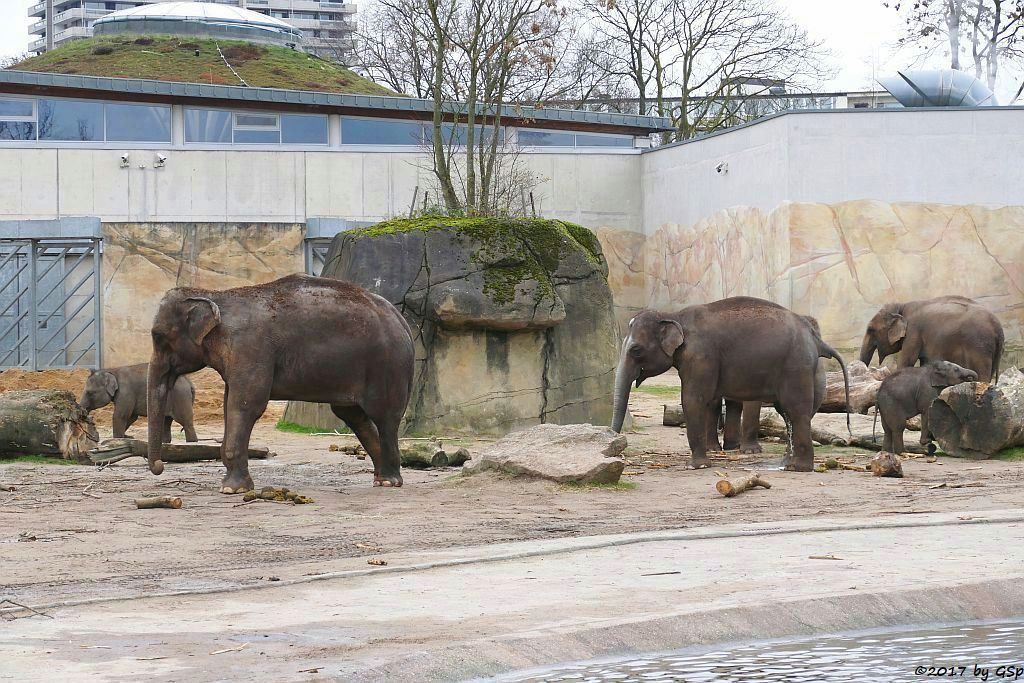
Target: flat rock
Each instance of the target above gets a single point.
(579, 454)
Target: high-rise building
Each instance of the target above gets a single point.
(327, 26)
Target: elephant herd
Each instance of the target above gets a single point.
(748, 351)
(305, 338)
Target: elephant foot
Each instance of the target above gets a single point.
(700, 464)
(388, 482)
(236, 483)
(795, 466)
(932, 448)
(751, 449)
(730, 445)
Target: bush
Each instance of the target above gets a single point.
(103, 50)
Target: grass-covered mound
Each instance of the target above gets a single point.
(173, 58)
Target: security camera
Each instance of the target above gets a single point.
(722, 168)
(125, 162)
(161, 161)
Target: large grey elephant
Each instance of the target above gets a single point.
(298, 338)
(952, 328)
(744, 348)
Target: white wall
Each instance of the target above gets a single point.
(598, 190)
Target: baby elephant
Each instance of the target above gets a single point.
(909, 392)
(126, 387)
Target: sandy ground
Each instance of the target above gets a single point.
(71, 532)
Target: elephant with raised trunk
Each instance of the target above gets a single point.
(952, 328)
(299, 338)
(744, 348)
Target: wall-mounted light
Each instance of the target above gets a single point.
(722, 168)
(125, 161)
(161, 161)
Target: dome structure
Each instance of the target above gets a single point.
(199, 19)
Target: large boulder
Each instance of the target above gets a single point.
(567, 454)
(512, 318)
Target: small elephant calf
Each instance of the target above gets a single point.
(909, 392)
(126, 388)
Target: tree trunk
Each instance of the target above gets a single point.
(728, 489)
(864, 383)
(170, 502)
(424, 456)
(45, 422)
(115, 450)
(977, 419)
(831, 430)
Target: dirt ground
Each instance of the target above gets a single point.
(71, 532)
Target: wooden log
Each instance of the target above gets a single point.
(673, 416)
(423, 456)
(171, 502)
(459, 458)
(45, 422)
(835, 434)
(864, 383)
(728, 489)
(977, 420)
(886, 465)
(115, 450)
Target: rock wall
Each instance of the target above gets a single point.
(141, 261)
(513, 320)
(840, 262)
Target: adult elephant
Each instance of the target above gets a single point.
(298, 338)
(744, 348)
(951, 328)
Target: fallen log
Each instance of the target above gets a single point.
(673, 416)
(831, 430)
(728, 489)
(45, 422)
(424, 456)
(886, 465)
(171, 502)
(864, 383)
(977, 420)
(116, 450)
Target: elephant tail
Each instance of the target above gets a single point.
(826, 351)
(996, 357)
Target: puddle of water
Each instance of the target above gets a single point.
(975, 651)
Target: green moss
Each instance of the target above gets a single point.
(293, 428)
(654, 390)
(617, 486)
(515, 250)
(1010, 455)
(36, 460)
(169, 58)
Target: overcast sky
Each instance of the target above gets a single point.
(858, 32)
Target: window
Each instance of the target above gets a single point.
(207, 125)
(17, 119)
(297, 129)
(584, 140)
(380, 132)
(254, 128)
(544, 138)
(460, 134)
(70, 120)
(138, 123)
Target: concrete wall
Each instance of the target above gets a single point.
(836, 213)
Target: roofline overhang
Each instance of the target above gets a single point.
(168, 92)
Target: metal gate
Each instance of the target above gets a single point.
(316, 254)
(50, 303)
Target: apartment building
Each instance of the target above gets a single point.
(327, 26)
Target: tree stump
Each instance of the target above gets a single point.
(886, 465)
(45, 422)
(864, 384)
(977, 420)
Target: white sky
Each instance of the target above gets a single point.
(859, 33)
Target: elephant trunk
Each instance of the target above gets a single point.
(625, 373)
(867, 350)
(160, 381)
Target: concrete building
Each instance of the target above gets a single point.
(830, 212)
(327, 26)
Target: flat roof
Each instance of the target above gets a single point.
(101, 87)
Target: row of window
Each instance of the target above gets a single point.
(87, 121)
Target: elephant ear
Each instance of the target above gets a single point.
(897, 329)
(203, 317)
(110, 384)
(671, 337)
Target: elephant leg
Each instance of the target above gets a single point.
(364, 429)
(696, 432)
(166, 437)
(751, 425)
(788, 455)
(121, 421)
(714, 416)
(926, 435)
(243, 407)
(731, 434)
(897, 437)
(390, 455)
(887, 437)
(803, 449)
(186, 419)
(796, 404)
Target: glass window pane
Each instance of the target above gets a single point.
(583, 140)
(207, 125)
(543, 138)
(138, 123)
(460, 134)
(259, 120)
(13, 108)
(303, 130)
(378, 132)
(257, 137)
(13, 130)
(70, 120)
